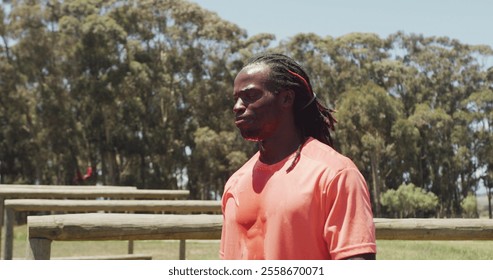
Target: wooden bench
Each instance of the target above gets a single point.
(72, 205)
(109, 257)
(62, 186)
(434, 229)
(42, 230)
(106, 257)
(81, 192)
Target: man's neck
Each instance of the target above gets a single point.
(274, 150)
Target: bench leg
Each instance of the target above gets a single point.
(38, 249)
(2, 199)
(182, 249)
(9, 234)
(130, 247)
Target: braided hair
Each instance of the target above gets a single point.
(312, 118)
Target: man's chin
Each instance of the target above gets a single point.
(249, 136)
(252, 139)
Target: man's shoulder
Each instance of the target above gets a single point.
(246, 167)
(326, 155)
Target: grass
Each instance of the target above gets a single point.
(208, 250)
(434, 250)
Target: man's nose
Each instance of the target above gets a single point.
(239, 106)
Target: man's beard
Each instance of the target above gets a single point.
(251, 135)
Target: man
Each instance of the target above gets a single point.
(297, 198)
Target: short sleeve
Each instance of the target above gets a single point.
(349, 229)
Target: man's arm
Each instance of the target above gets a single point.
(368, 256)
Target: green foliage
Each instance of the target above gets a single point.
(434, 250)
(409, 201)
(213, 152)
(470, 206)
(366, 117)
(142, 92)
(117, 85)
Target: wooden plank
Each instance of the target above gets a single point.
(9, 234)
(62, 186)
(97, 192)
(97, 226)
(73, 205)
(2, 215)
(20, 191)
(434, 229)
(38, 249)
(175, 206)
(183, 249)
(108, 257)
(111, 226)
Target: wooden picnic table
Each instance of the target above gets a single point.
(81, 192)
(434, 229)
(43, 230)
(74, 205)
(61, 186)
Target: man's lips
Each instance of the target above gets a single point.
(241, 121)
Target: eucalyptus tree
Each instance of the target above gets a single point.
(336, 64)
(355, 56)
(446, 73)
(37, 55)
(428, 77)
(409, 201)
(311, 51)
(93, 42)
(141, 91)
(120, 85)
(354, 74)
(434, 170)
(480, 108)
(366, 116)
(181, 58)
(206, 52)
(218, 149)
(16, 112)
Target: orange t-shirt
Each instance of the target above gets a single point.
(319, 210)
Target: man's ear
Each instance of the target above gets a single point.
(287, 97)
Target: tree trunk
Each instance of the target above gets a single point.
(376, 186)
(490, 213)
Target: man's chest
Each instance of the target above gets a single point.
(264, 198)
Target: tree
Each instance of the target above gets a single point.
(218, 154)
(446, 73)
(117, 87)
(365, 118)
(16, 113)
(470, 206)
(140, 91)
(423, 74)
(480, 112)
(409, 201)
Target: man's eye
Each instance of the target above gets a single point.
(251, 96)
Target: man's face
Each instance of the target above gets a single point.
(257, 110)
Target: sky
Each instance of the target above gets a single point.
(469, 21)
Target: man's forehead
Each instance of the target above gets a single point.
(256, 68)
(258, 73)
